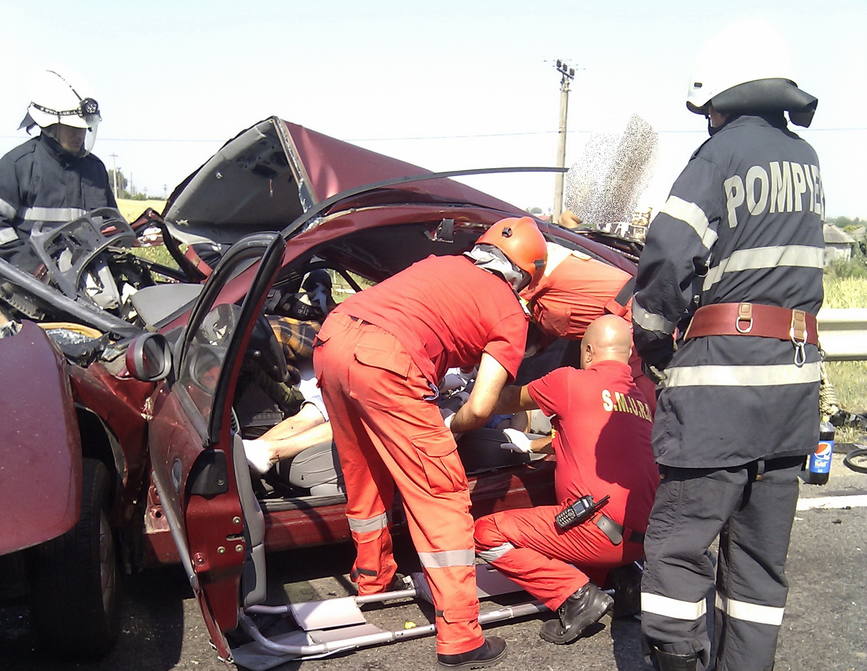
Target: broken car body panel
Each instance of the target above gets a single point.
(40, 473)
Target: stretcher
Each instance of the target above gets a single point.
(338, 625)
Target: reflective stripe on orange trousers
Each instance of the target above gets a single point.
(387, 436)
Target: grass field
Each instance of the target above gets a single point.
(130, 209)
(849, 377)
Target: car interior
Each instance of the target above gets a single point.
(263, 397)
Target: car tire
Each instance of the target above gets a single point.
(75, 584)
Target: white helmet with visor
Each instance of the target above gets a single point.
(56, 101)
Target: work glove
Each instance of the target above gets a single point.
(656, 375)
(655, 357)
(518, 441)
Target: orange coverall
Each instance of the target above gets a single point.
(379, 389)
(575, 290)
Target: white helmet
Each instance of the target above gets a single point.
(706, 85)
(742, 52)
(55, 101)
(746, 68)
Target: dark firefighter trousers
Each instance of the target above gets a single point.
(751, 508)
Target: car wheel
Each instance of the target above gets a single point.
(75, 586)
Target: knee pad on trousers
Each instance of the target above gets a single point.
(671, 661)
(676, 658)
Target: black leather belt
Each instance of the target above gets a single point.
(614, 531)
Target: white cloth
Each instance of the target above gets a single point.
(309, 388)
(518, 441)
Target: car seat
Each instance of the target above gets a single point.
(316, 469)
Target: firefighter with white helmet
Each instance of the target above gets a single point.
(732, 269)
(53, 177)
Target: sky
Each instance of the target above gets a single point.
(447, 85)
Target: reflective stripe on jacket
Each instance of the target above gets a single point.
(39, 182)
(743, 223)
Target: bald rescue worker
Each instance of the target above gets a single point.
(378, 358)
(602, 443)
(576, 289)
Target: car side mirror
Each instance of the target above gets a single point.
(149, 357)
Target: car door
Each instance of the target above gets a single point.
(191, 438)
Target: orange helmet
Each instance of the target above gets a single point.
(521, 241)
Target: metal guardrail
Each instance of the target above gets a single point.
(843, 333)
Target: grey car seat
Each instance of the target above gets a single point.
(316, 469)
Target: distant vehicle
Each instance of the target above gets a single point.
(121, 432)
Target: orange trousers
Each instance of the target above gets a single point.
(388, 436)
(550, 564)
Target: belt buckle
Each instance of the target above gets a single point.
(798, 336)
(745, 314)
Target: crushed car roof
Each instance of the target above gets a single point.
(274, 171)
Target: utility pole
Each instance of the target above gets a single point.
(567, 74)
(114, 173)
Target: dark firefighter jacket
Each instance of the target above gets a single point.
(40, 182)
(743, 223)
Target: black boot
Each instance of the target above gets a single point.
(626, 581)
(578, 612)
(672, 661)
(487, 654)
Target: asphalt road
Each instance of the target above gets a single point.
(824, 627)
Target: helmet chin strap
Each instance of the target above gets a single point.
(488, 257)
(711, 129)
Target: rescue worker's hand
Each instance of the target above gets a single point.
(657, 353)
(655, 357)
(448, 415)
(656, 375)
(518, 441)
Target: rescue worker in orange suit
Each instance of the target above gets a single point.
(602, 443)
(575, 290)
(378, 358)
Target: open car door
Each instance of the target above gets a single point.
(199, 469)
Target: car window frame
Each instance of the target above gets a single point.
(264, 252)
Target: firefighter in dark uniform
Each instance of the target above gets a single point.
(738, 249)
(53, 177)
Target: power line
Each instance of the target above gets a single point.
(165, 140)
(579, 131)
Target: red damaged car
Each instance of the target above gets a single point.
(130, 455)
